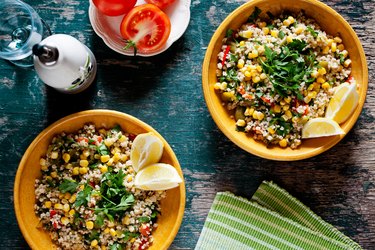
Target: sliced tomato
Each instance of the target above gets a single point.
(161, 3)
(114, 7)
(146, 27)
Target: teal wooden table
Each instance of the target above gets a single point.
(165, 91)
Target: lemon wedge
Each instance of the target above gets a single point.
(146, 149)
(159, 176)
(343, 102)
(319, 127)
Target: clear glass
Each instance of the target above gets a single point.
(20, 29)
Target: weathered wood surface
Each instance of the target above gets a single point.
(165, 91)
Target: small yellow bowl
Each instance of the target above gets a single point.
(331, 22)
(29, 169)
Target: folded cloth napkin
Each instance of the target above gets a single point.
(273, 219)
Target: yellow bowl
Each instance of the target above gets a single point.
(331, 22)
(24, 198)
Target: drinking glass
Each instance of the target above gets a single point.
(20, 28)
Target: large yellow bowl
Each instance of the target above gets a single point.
(24, 198)
(331, 22)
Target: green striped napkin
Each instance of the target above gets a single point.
(273, 219)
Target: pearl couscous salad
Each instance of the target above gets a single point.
(276, 75)
(86, 197)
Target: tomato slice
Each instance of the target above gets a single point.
(160, 3)
(146, 27)
(114, 7)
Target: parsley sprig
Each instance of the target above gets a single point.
(289, 68)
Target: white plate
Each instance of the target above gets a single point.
(108, 28)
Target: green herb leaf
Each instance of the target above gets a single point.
(312, 32)
(144, 219)
(102, 149)
(128, 236)
(116, 128)
(281, 34)
(252, 18)
(68, 186)
(229, 33)
(83, 196)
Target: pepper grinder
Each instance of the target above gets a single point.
(64, 63)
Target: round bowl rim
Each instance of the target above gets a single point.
(230, 134)
(103, 112)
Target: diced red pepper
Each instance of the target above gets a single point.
(265, 99)
(132, 137)
(82, 139)
(100, 139)
(225, 55)
(92, 184)
(350, 78)
(141, 246)
(241, 90)
(144, 230)
(54, 225)
(52, 213)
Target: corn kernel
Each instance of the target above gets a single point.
(325, 50)
(307, 99)
(54, 174)
(277, 108)
(310, 87)
(286, 22)
(333, 47)
(324, 64)
(289, 39)
(299, 30)
(266, 30)
(288, 99)
(113, 232)
(320, 80)
(261, 49)
(68, 166)
(347, 62)
(249, 111)
(81, 187)
(54, 155)
(122, 138)
(253, 54)
(111, 224)
(263, 76)
(274, 33)
(256, 79)
(58, 206)
(260, 116)
(344, 53)
(326, 85)
(83, 163)
(341, 47)
(291, 19)
(116, 157)
(67, 196)
(75, 171)
(241, 123)
(103, 169)
(106, 230)
(47, 204)
(228, 96)
(108, 142)
(259, 68)
(104, 158)
(271, 130)
(247, 34)
(66, 207)
(103, 247)
(94, 243)
(126, 220)
(329, 42)
(83, 170)
(283, 143)
(314, 74)
(322, 71)
(44, 168)
(72, 212)
(285, 117)
(124, 157)
(247, 73)
(42, 162)
(295, 119)
(255, 114)
(61, 195)
(289, 114)
(337, 39)
(240, 63)
(262, 24)
(89, 225)
(110, 162)
(73, 198)
(66, 157)
(65, 220)
(286, 107)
